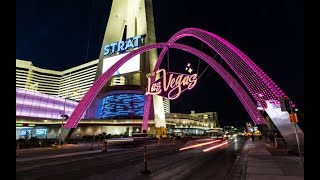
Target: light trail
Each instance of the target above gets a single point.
(198, 145)
(208, 139)
(214, 147)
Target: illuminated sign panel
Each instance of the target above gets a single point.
(122, 46)
(122, 106)
(40, 105)
(24, 132)
(40, 132)
(130, 66)
(171, 85)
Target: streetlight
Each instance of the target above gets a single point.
(63, 116)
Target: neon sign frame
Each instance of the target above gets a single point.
(170, 85)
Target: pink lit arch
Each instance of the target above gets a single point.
(261, 86)
(99, 83)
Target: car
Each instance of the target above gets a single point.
(228, 136)
(216, 137)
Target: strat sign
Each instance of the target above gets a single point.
(122, 46)
(171, 85)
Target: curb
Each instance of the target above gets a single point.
(239, 162)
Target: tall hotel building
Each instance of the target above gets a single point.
(72, 83)
(44, 95)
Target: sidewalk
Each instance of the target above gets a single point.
(256, 163)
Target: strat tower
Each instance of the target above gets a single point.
(130, 26)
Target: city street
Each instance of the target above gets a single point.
(159, 90)
(165, 161)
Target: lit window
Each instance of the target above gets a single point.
(116, 81)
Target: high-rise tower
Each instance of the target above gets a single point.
(130, 25)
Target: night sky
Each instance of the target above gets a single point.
(62, 34)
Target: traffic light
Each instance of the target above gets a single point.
(285, 104)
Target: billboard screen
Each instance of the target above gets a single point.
(130, 66)
(122, 106)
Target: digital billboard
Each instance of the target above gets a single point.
(122, 106)
(131, 65)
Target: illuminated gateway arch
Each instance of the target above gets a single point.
(257, 82)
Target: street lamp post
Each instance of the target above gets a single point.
(63, 116)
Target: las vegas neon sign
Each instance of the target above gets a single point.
(122, 46)
(170, 85)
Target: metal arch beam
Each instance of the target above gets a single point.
(87, 99)
(230, 80)
(261, 86)
(246, 101)
(99, 83)
(258, 83)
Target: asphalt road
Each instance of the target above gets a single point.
(164, 161)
